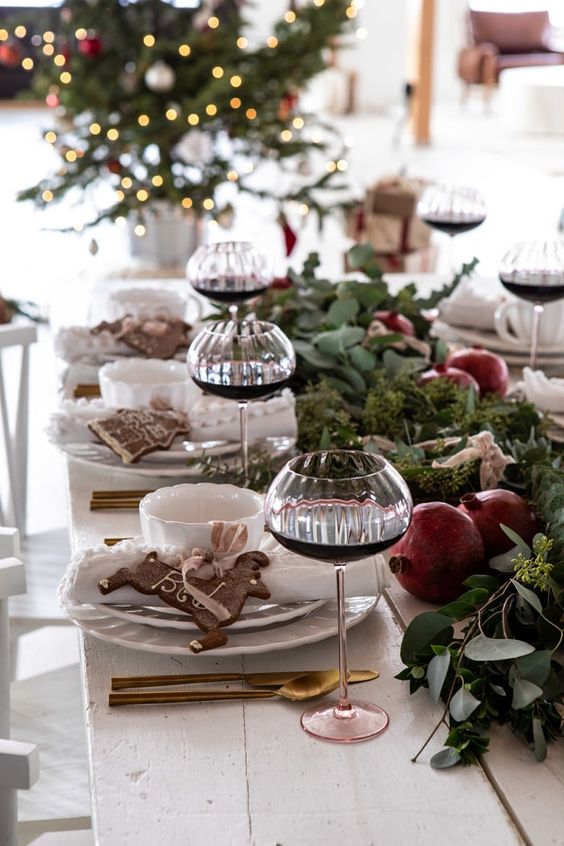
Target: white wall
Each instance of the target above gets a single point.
(381, 59)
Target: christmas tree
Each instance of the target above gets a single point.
(173, 104)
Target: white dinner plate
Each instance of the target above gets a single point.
(169, 464)
(255, 615)
(310, 629)
(518, 353)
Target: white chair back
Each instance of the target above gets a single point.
(19, 762)
(14, 426)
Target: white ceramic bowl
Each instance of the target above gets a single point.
(182, 515)
(135, 382)
(145, 303)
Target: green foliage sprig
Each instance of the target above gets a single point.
(503, 666)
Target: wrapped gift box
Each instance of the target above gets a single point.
(387, 219)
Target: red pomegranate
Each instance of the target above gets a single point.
(441, 548)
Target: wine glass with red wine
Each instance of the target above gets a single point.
(534, 271)
(452, 210)
(339, 506)
(241, 360)
(229, 272)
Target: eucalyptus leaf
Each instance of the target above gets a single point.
(447, 757)
(342, 311)
(359, 255)
(313, 356)
(524, 692)
(482, 648)
(336, 341)
(462, 704)
(458, 609)
(528, 595)
(535, 667)
(517, 540)
(425, 629)
(499, 690)
(362, 358)
(539, 740)
(437, 670)
(504, 563)
(488, 583)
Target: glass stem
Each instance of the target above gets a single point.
(343, 709)
(538, 309)
(233, 312)
(243, 421)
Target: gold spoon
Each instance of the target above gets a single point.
(304, 687)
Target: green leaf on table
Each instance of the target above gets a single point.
(499, 690)
(370, 295)
(352, 377)
(539, 740)
(462, 704)
(465, 604)
(482, 648)
(528, 595)
(489, 583)
(447, 757)
(524, 692)
(342, 311)
(437, 672)
(362, 358)
(523, 547)
(359, 255)
(536, 666)
(425, 629)
(336, 341)
(309, 353)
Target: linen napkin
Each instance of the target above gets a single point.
(472, 303)
(547, 394)
(289, 577)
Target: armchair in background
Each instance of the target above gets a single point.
(500, 40)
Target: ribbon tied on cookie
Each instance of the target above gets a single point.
(213, 602)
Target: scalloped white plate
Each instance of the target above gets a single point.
(255, 616)
(317, 626)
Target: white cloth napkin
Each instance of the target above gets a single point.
(289, 577)
(547, 394)
(210, 419)
(75, 342)
(472, 303)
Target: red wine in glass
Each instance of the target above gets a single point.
(453, 227)
(534, 271)
(339, 506)
(241, 392)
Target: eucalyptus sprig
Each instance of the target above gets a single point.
(504, 666)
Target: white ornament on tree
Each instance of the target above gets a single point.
(160, 77)
(194, 148)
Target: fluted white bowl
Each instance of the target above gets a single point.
(136, 383)
(182, 515)
(145, 303)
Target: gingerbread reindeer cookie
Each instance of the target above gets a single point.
(213, 603)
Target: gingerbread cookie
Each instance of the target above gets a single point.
(113, 328)
(132, 433)
(213, 603)
(157, 338)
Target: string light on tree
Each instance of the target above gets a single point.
(145, 100)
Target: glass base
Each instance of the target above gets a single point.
(362, 722)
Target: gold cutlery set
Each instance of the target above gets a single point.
(296, 685)
(117, 500)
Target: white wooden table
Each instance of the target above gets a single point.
(245, 773)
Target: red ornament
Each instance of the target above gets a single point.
(290, 237)
(114, 166)
(90, 46)
(280, 283)
(287, 105)
(10, 55)
(52, 101)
